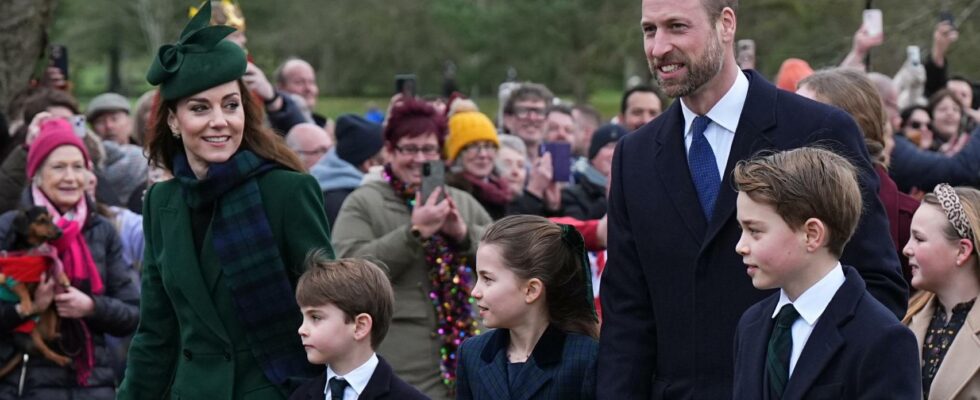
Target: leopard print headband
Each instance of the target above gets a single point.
(950, 202)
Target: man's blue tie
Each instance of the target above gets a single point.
(704, 168)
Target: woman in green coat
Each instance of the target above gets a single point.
(225, 239)
(428, 247)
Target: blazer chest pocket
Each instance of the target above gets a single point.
(830, 391)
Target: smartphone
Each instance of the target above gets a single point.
(914, 55)
(59, 58)
(873, 21)
(433, 176)
(405, 84)
(78, 125)
(561, 160)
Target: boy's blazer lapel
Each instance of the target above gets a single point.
(182, 266)
(825, 340)
(962, 360)
(752, 360)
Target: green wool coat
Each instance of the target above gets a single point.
(375, 223)
(189, 343)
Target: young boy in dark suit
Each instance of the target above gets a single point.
(347, 306)
(822, 335)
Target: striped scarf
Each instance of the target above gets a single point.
(250, 260)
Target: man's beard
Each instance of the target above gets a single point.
(699, 71)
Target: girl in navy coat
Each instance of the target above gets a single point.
(533, 286)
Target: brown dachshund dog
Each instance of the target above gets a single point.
(33, 228)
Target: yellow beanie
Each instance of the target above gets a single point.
(467, 127)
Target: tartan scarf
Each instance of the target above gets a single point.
(451, 281)
(250, 259)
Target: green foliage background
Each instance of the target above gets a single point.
(581, 48)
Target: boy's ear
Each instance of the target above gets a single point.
(362, 326)
(965, 251)
(817, 234)
(533, 290)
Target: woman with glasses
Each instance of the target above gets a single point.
(917, 126)
(471, 148)
(427, 245)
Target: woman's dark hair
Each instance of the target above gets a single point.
(907, 113)
(412, 118)
(536, 248)
(161, 146)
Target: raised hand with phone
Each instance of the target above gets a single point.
(868, 36)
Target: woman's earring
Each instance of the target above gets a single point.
(176, 132)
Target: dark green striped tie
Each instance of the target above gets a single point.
(780, 347)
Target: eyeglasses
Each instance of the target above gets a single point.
(525, 112)
(476, 148)
(424, 150)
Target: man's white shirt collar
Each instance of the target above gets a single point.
(726, 111)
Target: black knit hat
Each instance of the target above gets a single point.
(200, 60)
(357, 138)
(606, 134)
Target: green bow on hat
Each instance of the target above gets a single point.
(198, 61)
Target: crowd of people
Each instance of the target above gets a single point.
(219, 238)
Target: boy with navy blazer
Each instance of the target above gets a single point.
(347, 306)
(822, 336)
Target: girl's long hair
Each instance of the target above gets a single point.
(534, 247)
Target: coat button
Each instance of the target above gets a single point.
(187, 355)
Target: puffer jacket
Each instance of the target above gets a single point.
(116, 313)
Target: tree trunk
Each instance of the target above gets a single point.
(23, 23)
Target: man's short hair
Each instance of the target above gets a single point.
(354, 285)
(590, 112)
(528, 91)
(280, 72)
(714, 7)
(803, 183)
(558, 108)
(635, 89)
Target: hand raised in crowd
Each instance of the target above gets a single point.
(34, 128)
(257, 82)
(541, 184)
(863, 42)
(942, 38)
(428, 217)
(74, 304)
(454, 226)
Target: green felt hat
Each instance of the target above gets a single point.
(198, 61)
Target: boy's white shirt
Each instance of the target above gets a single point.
(811, 304)
(357, 379)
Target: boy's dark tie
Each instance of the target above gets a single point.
(780, 347)
(337, 387)
(704, 168)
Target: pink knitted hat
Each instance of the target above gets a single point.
(54, 133)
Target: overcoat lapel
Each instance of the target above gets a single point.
(184, 268)
(752, 135)
(494, 368)
(825, 340)
(671, 155)
(963, 359)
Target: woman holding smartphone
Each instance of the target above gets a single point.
(427, 244)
